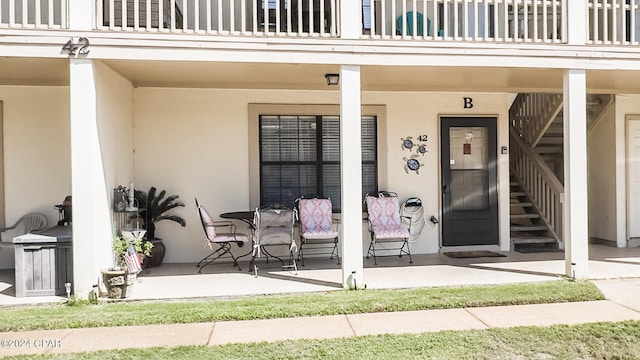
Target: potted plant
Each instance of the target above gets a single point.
(129, 252)
(153, 208)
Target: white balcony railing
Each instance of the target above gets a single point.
(610, 22)
(614, 22)
(227, 17)
(467, 20)
(33, 14)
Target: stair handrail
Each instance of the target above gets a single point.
(539, 182)
(531, 114)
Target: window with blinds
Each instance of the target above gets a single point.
(300, 156)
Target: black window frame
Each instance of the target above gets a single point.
(319, 162)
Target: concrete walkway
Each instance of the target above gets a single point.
(622, 304)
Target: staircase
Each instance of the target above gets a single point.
(537, 168)
(528, 232)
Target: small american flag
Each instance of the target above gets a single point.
(132, 259)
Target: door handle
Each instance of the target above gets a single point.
(444, 189)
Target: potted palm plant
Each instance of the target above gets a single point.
(153, 208)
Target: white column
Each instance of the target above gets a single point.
(577, 25)
(351, 173)
(81, 14)
(91, 221)
(350, 16)
(576, 216)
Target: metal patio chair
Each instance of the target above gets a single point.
(385, 224)
(222, 240)
(274, 227)
(317, 226)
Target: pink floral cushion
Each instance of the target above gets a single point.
(384, 217)
(315, 219)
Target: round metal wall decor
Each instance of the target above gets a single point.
(411, 163)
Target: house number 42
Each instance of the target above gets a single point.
(82, 47)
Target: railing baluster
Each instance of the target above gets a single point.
(25, 13)
(545, 19)
(300, 19)
(185, 16)
(38, 13)
(50, 13)
(605, 22)
(136, 14)
(254, 15)
(232, 23)
(243, 16)
(148, 14)
(322, 24)
(525, 20)
(427, 32)
(288, 7)
(436, 21)
(220, 13)
(612, 22)
(161, 7)
(311, 8)
(196, 16)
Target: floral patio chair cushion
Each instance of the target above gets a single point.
(316, 220)
(384, 217)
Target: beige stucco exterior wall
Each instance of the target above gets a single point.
(194, 143)
(37, 158)
(115, 131)
(601, 161)
(625, 105)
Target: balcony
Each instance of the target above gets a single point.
(610, 22)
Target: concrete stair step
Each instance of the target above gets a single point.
(522, 204)
(528, 228)
(551, 140)
(524, 216)
(518, 240)
(549, 149)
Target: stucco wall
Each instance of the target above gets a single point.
(115, 130)
(37, 159)
(625, 105)
(194, 143)
(601, 188)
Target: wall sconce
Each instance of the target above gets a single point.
(332, 79)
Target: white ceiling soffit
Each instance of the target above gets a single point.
(55, 72)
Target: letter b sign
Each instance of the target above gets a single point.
(468, 103)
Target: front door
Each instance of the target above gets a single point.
(469, 181)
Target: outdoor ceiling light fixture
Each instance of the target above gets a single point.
(332, 79)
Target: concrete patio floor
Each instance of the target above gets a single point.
(181, 281)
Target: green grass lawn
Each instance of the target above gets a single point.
(587, 341)
(268, 307)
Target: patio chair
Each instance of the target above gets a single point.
(27, 223)
(317, 226)
(419, 24)
(274, 227)
(385, 224)
(222, 240)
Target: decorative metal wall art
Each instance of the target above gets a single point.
(411, 162)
